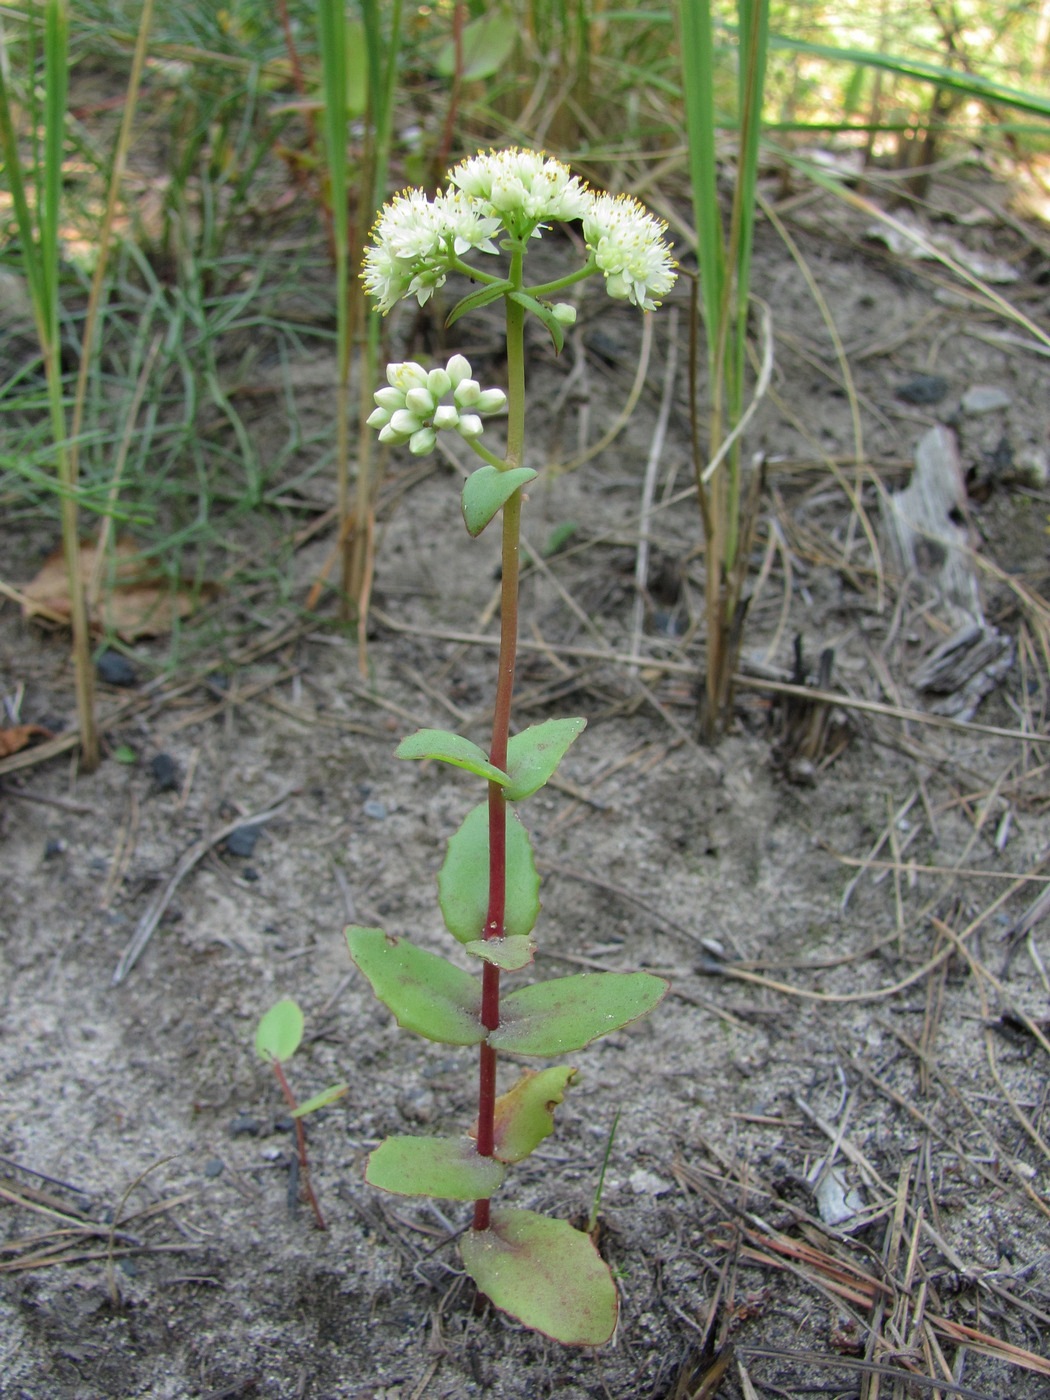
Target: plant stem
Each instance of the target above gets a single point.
(496, 915)
(300, 1141)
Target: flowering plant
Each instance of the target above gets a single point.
(541, 1271)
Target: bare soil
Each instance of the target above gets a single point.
(830, 1151)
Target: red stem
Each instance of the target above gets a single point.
(300, 1139)
(495, 918)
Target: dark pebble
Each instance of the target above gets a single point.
(114, 669)
(54, 847)
(242, 841)
(165, 772)
(214, 1167)
(244, 1125)
(923, 389)
(284, 1125)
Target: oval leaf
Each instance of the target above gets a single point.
(487, 491)
(534, 754)
(567, 1013)
(426, 993)
(525, 1113)
(485, 46)
(321, 1100)
(463, 880)
(451, 748)
(508, 954)
(447, 1168)
(280, 1031)
(546, 1274)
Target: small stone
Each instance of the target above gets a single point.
(165, 772)
(647, 1183)
(923, 389)
(375, 809)
(54, 847)
(114, 669)
(242, 841)
(984, 398)
(215, 1166)
(244, 1125)
(1032, 468)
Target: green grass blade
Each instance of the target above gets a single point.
(698, 67)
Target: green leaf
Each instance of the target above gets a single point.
(534, 754)
(546, 315)
(463, 880)
(451, 748)
(280, 1031)
(567, 1013)
(486, 46)
(124, 753)
(321, 1100)
(525, 1113)
(509, 954)
(448, 1168)
(487, 491)
(426, 993)
(473, 301)
(546, 1274)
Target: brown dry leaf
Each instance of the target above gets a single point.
(20, 736)
(135, 600)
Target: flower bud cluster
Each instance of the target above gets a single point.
(417, 404)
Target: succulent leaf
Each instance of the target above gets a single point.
(446, 747)
(525, 1113)
(508, 954)
(463, 881)
(546, 1274)
(487, 491)
(280, 1031)
(534, 754)
(447, 1168)
(427, 994)
(567, 1013)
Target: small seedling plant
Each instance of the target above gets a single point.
(541, 1271)
(277, 1037)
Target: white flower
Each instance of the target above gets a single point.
(415, 242)
(413, 406)
(628, 245)
(522, 189)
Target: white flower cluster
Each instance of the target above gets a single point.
(522, 189)
(416, 241)
(627, 244)
(412, 407)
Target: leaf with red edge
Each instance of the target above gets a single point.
(449, 1169)
(524, 1115)
(427, 994)
(567, 1013)
(546, 1274)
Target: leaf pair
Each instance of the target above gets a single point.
(439, 1001)
(532, 756)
